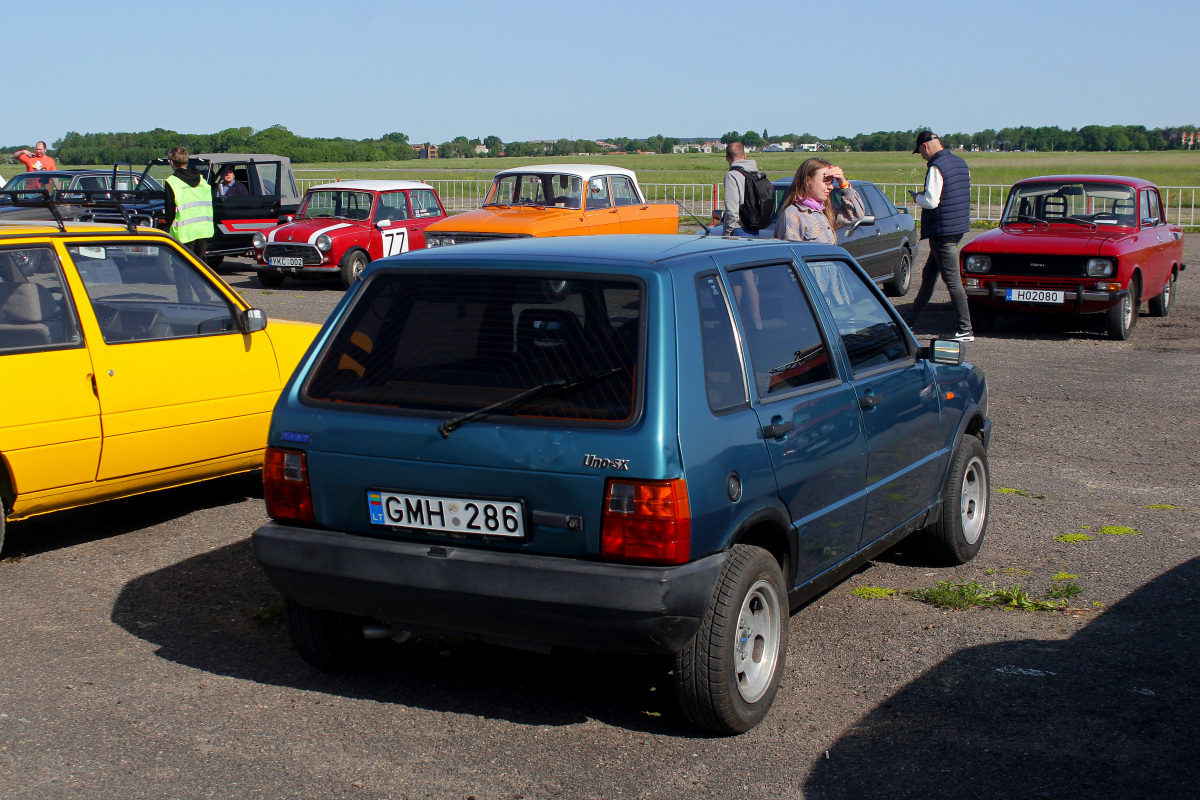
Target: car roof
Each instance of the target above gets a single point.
(373, 186)
(585, 171)
(1139, 183)
(49, 228)
(639, 248)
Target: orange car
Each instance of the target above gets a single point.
(558, 200)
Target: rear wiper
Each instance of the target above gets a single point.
(1079, 221)
(1027, 218)
(541, 390)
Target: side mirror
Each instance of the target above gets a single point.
(866, 219)
(383, 223)
(943, 351)
(253, 320)
(285, 219)
(718, 215)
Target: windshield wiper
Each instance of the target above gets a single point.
(1027, 218)
(541, 390)
(1079, 221)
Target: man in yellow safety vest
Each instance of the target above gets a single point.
(189, 210)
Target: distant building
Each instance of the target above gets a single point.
(811, 147)
(426, 150)
(699, 147)
(480, 149)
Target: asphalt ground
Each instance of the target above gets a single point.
(144, 654)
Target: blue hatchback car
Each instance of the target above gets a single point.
(644, 444)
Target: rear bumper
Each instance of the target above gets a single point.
(511, 598)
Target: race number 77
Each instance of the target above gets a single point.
(394, 241)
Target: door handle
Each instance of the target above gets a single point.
(868, 401)
(777, 429)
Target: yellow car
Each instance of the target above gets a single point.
(128, 366)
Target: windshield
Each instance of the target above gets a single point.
(537, 189)
(1072, 202)
(334, 203)
(534, 345)
(34, 180)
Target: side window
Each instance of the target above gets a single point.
(623, 192)
(597, 196)
(143, 292)
(1150, 209)
(838, 202)
(786, 347)
(723, 378)
(870, 334)
(36, 313)
(425, 203)
(268, 178)
(882, 208)
(391, 206)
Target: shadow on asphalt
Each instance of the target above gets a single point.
(218, 613)
(90, 523)
(1110, 712)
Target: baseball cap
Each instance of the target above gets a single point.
(922, 138)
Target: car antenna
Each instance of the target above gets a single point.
(703, 227)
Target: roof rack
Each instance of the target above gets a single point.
(92, 198)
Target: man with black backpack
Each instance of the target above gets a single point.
(749, 195)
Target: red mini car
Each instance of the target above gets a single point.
(342, 227)
(1076, 243)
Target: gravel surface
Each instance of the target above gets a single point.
(145, 656)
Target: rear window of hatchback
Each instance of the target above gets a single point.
(456, 341)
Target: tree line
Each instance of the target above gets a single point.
(138, 148)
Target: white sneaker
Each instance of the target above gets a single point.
(961, 336)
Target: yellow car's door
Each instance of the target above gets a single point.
(179, 384)
(49, 414)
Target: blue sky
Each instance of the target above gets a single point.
(548, 70)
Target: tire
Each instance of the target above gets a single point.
(983, 319)
(726, 678)
(332, 641)
(214, 261)
(901, 280)
(1161, 306)
(1121, 319)
(955, 537)
(352, 266)
(270, 280)
(2, 515)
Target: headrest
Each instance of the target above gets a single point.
(29, 303)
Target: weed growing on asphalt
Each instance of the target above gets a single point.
(1161, 505)
(1072, 538)
(873, 592)
(1020, 493)
(965, 594)
(1064, 591)
(1119, 530)
(268, 616)
(1064, 576)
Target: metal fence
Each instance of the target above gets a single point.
(1181, 204)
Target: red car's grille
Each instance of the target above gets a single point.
(309, 253)
(1036, 264)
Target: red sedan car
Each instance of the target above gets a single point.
(1091, 244)
(341, 227)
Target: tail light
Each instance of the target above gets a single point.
(285, 486)
(646, 521)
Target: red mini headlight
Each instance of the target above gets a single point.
(285, 485)
(646, 521)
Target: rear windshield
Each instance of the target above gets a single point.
(459, 341)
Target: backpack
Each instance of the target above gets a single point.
(758, 201)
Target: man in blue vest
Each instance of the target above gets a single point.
(945, 217)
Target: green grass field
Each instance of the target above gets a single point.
(1169, 168)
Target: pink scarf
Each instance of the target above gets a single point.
(813, 204)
